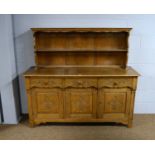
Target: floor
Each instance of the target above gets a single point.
(143, 128)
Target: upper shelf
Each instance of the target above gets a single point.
(81, 41)
(81, 29)
(81, 46)
(79, 50)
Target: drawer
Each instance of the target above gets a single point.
(115, 82)
(46, 83)
(80, 83)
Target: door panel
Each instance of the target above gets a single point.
(113, 102)
(80, 103)
(48, 102)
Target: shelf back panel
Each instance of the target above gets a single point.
(107, 59)
(80, 41)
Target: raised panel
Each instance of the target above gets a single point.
(80, 103)
(47, 103)
(114, 102)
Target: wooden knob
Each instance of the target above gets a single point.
(79, 82)
(114, 83)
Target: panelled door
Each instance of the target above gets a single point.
(80, 103)
(114, 103)
(47, 103)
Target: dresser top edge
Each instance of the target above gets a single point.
(81, 29)
(81, 72)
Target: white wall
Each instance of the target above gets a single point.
(8, 71)
(141, 52)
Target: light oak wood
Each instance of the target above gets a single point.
(99, 30)
(114, 102)
(81, 75)
(74, 71)
(81, 46)
(80, 103)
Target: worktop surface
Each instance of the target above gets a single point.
(80, 71)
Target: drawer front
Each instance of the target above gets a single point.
(80, 83)
(46, 83)
(115, 83)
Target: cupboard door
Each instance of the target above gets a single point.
(80, 103)
(48, 103)
(113, 103)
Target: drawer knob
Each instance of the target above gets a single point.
(100, 102)
(115, 84)
(79, 82)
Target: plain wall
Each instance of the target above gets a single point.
(8, 74)
(141, 51)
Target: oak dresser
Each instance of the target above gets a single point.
(81, 75)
